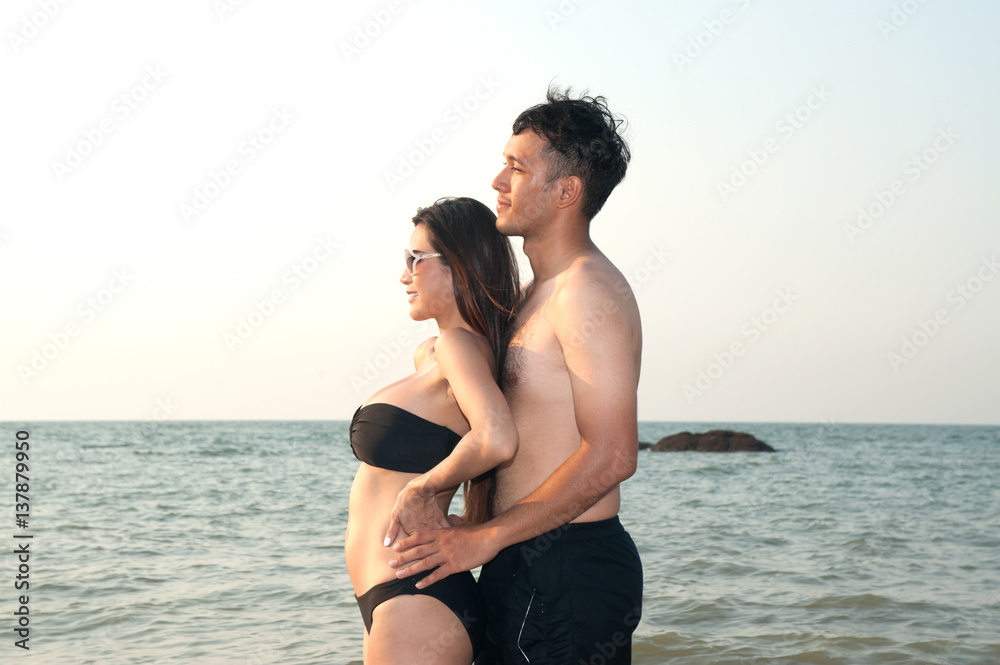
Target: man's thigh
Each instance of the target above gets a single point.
(576, 600)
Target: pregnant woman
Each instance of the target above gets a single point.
(423, 436)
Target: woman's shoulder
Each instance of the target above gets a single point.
(461, 343)
(457, 343)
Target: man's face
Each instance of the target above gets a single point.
(524, 199)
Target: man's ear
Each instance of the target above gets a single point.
(570, 190)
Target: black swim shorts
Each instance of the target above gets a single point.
(572, 595)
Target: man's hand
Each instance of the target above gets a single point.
(415, 510)
(452, 550)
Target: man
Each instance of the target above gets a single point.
(564, 581)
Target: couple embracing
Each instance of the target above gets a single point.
(528, 397)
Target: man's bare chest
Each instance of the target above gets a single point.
(535, 353)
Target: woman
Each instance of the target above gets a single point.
(421, 437)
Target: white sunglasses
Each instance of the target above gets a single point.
(412, 258)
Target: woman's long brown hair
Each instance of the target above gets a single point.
(487, 292)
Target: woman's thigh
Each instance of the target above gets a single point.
(413, 630)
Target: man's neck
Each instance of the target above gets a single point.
(552, 252)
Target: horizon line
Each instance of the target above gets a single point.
(335, 420)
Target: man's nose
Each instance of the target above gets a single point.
(500, 182)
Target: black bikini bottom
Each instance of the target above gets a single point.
(459, 592)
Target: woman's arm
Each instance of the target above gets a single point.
(464, 362)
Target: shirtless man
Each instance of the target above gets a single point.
(563, 582)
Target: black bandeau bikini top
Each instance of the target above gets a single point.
(390, 437)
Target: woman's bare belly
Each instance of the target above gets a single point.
(373, 495)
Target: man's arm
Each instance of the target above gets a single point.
(596, 334)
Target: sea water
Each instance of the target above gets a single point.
(222, 542)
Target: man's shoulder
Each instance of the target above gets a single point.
(590, 280)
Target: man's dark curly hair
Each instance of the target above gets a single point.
(583, 140)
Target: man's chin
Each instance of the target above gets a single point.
(505, 227)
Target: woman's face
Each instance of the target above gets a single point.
(429, 290)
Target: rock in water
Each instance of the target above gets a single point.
(714, 441)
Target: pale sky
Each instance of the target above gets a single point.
(205, 202)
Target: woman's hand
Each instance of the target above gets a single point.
(416, 510)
